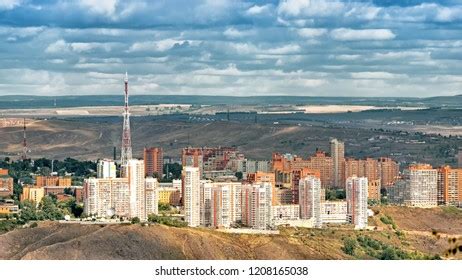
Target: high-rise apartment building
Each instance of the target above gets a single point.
(449, 186)
(421, 186)
(389, 171)
(310, 199)
(373, 189)
(153, 162)
(106, 197)
(136, 182)
(256, 205)
(191, 195)
(220, 203)
(106, 169)
(208, 159)
(152, 196)
(337, 152)
(356, 196)
(369, 168)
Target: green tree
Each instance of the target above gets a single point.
(388, 254)
(50, 210)
(349, 246)
(136, 220)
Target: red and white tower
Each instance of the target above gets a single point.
(126, 151)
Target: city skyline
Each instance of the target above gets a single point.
(287, 47)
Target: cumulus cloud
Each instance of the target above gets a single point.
(311, 32)
(103, 7)
(346, 34)
(376, 75)
(239, 47)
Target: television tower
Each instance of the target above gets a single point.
(24, 142)
(126, 150)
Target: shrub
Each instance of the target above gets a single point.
(349, 246)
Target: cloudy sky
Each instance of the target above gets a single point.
(231, 47)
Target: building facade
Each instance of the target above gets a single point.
(106, 169)
(191, 195)
(153, 161)
(421, 186)
(310, 199)
(449, 186)
(356, 197)
(337, 152)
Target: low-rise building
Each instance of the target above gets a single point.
(284, 214)
(6, 186)
(32, 193)
(169, 195)
(334, 212)
(7, 207)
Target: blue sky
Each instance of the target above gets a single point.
(231, 47)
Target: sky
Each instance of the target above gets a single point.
(402, 48)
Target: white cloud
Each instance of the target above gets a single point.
(376, 75)
(311, 32)
(9, 4)
(160, 46)
(59, 46)
(258, 10)
(396, 55)
(316, 8)
(346, 57)
(85, 47)
(103, 7)
(234, 33)
(346, 34)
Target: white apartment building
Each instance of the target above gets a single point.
(206, 200)
(176, 183)
(152, 196)
(282, 214)
(192, 201)
(136, 181)
(334, 212)
(356, 196)
(220, 203)
(309, 193)
(106, 169)
(106, 197)
(256, 205)
(421, 187)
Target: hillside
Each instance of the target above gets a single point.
(51, 240)
(95, 139)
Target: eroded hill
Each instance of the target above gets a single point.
(418, 239)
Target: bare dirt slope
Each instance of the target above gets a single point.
(443, 220)
(73, 241)
(414, 232)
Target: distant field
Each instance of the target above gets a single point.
(34, 102)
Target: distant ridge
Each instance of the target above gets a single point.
(32, 101)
